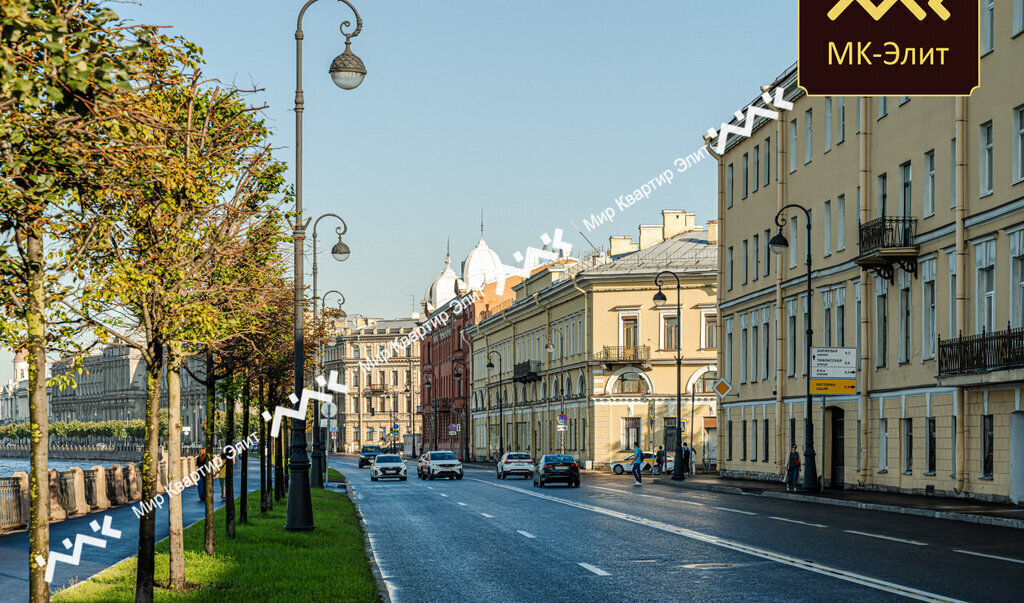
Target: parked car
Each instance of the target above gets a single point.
(387, 465)
(367, 454)
(393, 449)
(515, 463)
(557, 468)
(439, 463)
(625, 465)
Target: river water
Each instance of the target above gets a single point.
(9, 466)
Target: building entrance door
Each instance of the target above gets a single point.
(837, 446)
(1017, 457)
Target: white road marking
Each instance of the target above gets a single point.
(782, 558)
(596, 570)
(487, 516)
(685, 502)
(803, 523)
(1010, 559)
(645, 561)
(914, 542)
(734, 510)
(527, 534)
(445, 495)
(462, 504)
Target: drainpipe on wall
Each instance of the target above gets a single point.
(866, 287)
(781, 450)
(961, 281)
(588, 375)
(719, 356)
(515, 396)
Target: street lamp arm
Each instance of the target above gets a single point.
(323, 298)
(658, 279)
(344, 228)
(780, 221)
(344, 24)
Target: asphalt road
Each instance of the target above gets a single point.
(487, 539)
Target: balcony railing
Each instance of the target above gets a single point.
(376, 387)
(526, 372)
(628, 353)
(887, 232)
(982, 353)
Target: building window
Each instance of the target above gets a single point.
(755, 344)
(746, 264)
(728, 185)
(766, 343)
(881, 324)
(670, 332)
(927, 270)
(952, 446)
(743, 349)
(841, 317)
(929, 183)
(794, 236)
(987, 26)
(859, 455)
(792, 146)
(355, 351)
(807, 336)
(826, 317)
(1018, 17)
(840, 223)
(792, 432)
(905, 190)
(756, 249)
(883, 444)
(727, 371)
(883, 106)
(827, 239)
(756, 172)
(808, 135)
(841, 118)
(987, 446)
(746, 175)
(764, 453)
(985, 163)
(904, 100)
(828, 123)
(904, 320)
(753, 439)
(743, 439)
(985, 264)
(729, 267)
(710, 331)
(952, 173)
(951, 261)
(767, 160)
(791, 341)
(729, 443)
(883, 193)
(1017, 279)
(930, 446)
(629, 382)
(858, 115)
(908, 445)
(767, 252)
(1018, 143)
(630, 432)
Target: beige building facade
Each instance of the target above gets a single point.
(916, 239)
(584, 339)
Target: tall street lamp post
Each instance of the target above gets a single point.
(501, 407)
(331, 342)
(660, 300)
(339, 252)
(347, 72)
(433, 410)
(550, 347)
(779, 244)
(463, 439)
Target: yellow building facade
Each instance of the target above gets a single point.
(917, 237)
(584, 339)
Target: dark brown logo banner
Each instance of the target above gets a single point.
(888, 47)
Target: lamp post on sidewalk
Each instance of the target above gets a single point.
(347, 71)
(463, 438)
(779, 244)
(501, 408)
(330, 343)
(660, 300)
(550, 347)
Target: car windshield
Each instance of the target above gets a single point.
(559, 458)
(519, 457)
(371, 448)
(442, 456)
(388, 458)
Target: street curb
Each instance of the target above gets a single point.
(382, 587)
(1017, 524)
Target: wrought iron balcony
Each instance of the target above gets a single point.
(888, 242)
(375, 388)
(625, 354)
(525, 372)
(998, 350)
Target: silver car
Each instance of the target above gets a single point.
(515, 463)
(388, 466)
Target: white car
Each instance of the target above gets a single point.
(625, 465)
(439, 463)
(387, 465)
(515, 463)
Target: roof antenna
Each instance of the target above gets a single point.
(481, 224)
(596, 250)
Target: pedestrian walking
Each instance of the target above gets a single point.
(202, 475)
(659, 458)
(685, 460)
(638, 462)
(792, 469)
(222, 476)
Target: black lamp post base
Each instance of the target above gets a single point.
(677, 469)
(810, 481)
(300, 506)
(316, 478)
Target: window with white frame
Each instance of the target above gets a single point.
(840, 312)
(755, 248)
(841, 119)
(729, 267)
(929, 183)
(985, 278)
(808, 135)
(766, 342)
(791, 338)
(904, 317)
(807, 336)
(856, 320)
(745, 184)
(728, 185)
(826, 319)
(952, 173)
(1017, 279)
(753, 439)
(840, 222)
(883, 194)
(904, 100)
(908, 445)
(669, 331)
(756, 168)
(794, 234)
(708, 330)
(792, 145)
(828, 123)
(881, 322)
(767, 252)
(827, 238)
(746, 261)
(883, 444)
(951, 264)
(755, 345)
(1018, 17)
(883, 106)
(985, 161)
(927, 270)
(767, 160)
(727, 356)
(1018, 143)
(987, 26)
(744, 342)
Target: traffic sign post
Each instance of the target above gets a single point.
(833, 371)
(723, 388)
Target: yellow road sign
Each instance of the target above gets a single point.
(833, 386)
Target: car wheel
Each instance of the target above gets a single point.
(504, 475)
(432, 477)
(618, 470)
(373, 479)
(401, 479)
(534, 483)
(459, 476)
(576, 484)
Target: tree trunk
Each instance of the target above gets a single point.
(177, 542)
(211, 445)
(264, 453)
(279, 465)
(39, 482)
(150, 472)
(243, 506)
(229, 482)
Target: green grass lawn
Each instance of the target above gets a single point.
(263, 562)
(332, 474)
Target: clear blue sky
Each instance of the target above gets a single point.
(538, 112)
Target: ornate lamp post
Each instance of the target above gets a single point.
(501, 406)
(659, 300)
(347, 72)
(433, 411)
(331, 342)
(779, 244)
(464, 438)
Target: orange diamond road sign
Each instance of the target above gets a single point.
(722, 388)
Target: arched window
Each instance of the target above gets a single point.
(706, 382)
(524, 398)
(581, 388)
(630, 382)
(543, 391)
(568, 387)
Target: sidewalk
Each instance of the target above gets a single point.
(940, 507)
